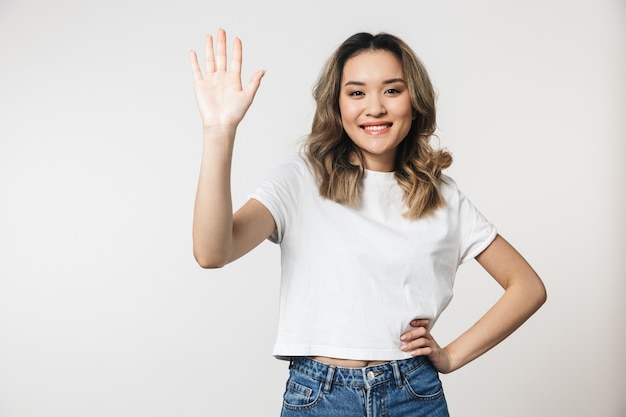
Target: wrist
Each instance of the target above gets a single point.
(220, 136)
(456, 357)
(213, 131)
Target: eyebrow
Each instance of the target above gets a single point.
(389, 81)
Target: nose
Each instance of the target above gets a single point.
(375, 106)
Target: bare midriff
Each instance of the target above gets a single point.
(347, 363)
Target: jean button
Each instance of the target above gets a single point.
(370, 375)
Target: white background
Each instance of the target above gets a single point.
(103, 311)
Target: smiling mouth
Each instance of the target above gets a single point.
(376, 127)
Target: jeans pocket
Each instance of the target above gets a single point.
(423, 383)
(301, 391)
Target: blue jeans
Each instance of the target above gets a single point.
(404, 388)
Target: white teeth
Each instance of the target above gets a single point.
(380, 127)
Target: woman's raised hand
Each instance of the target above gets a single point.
(222, 100)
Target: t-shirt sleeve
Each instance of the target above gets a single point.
(475, 232)
(280, 194)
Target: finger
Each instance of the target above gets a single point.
(208, 53)
(235, 62)
(417, 339)
(415, 344)
(413, 334)
(195, 67)
(424, 351)
(220, 56)
(254, 83)
(420, 323)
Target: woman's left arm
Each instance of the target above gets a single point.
(524, 293)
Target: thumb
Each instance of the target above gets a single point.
(254, 83)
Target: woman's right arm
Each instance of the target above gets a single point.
(219, 236)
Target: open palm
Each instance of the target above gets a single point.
(222, 100)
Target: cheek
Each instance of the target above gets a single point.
(406, 114)
(348, 110)
(403, 110)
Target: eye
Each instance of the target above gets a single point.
(392, 91)
(356, 93)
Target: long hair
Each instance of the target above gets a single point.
(330, 151)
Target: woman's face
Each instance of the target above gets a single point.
(375, 106)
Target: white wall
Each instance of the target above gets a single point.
(103, 311)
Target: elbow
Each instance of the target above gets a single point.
(209, 264)
(544, 296)
(210, 260)
(530, 292)
(539, 294)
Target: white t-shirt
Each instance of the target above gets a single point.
(353, 279)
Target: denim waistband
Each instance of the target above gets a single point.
(359, 377)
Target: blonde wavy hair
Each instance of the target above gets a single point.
(330, 151)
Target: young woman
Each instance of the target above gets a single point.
(371, 233)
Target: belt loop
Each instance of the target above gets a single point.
(397, 375)
(329, 378)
